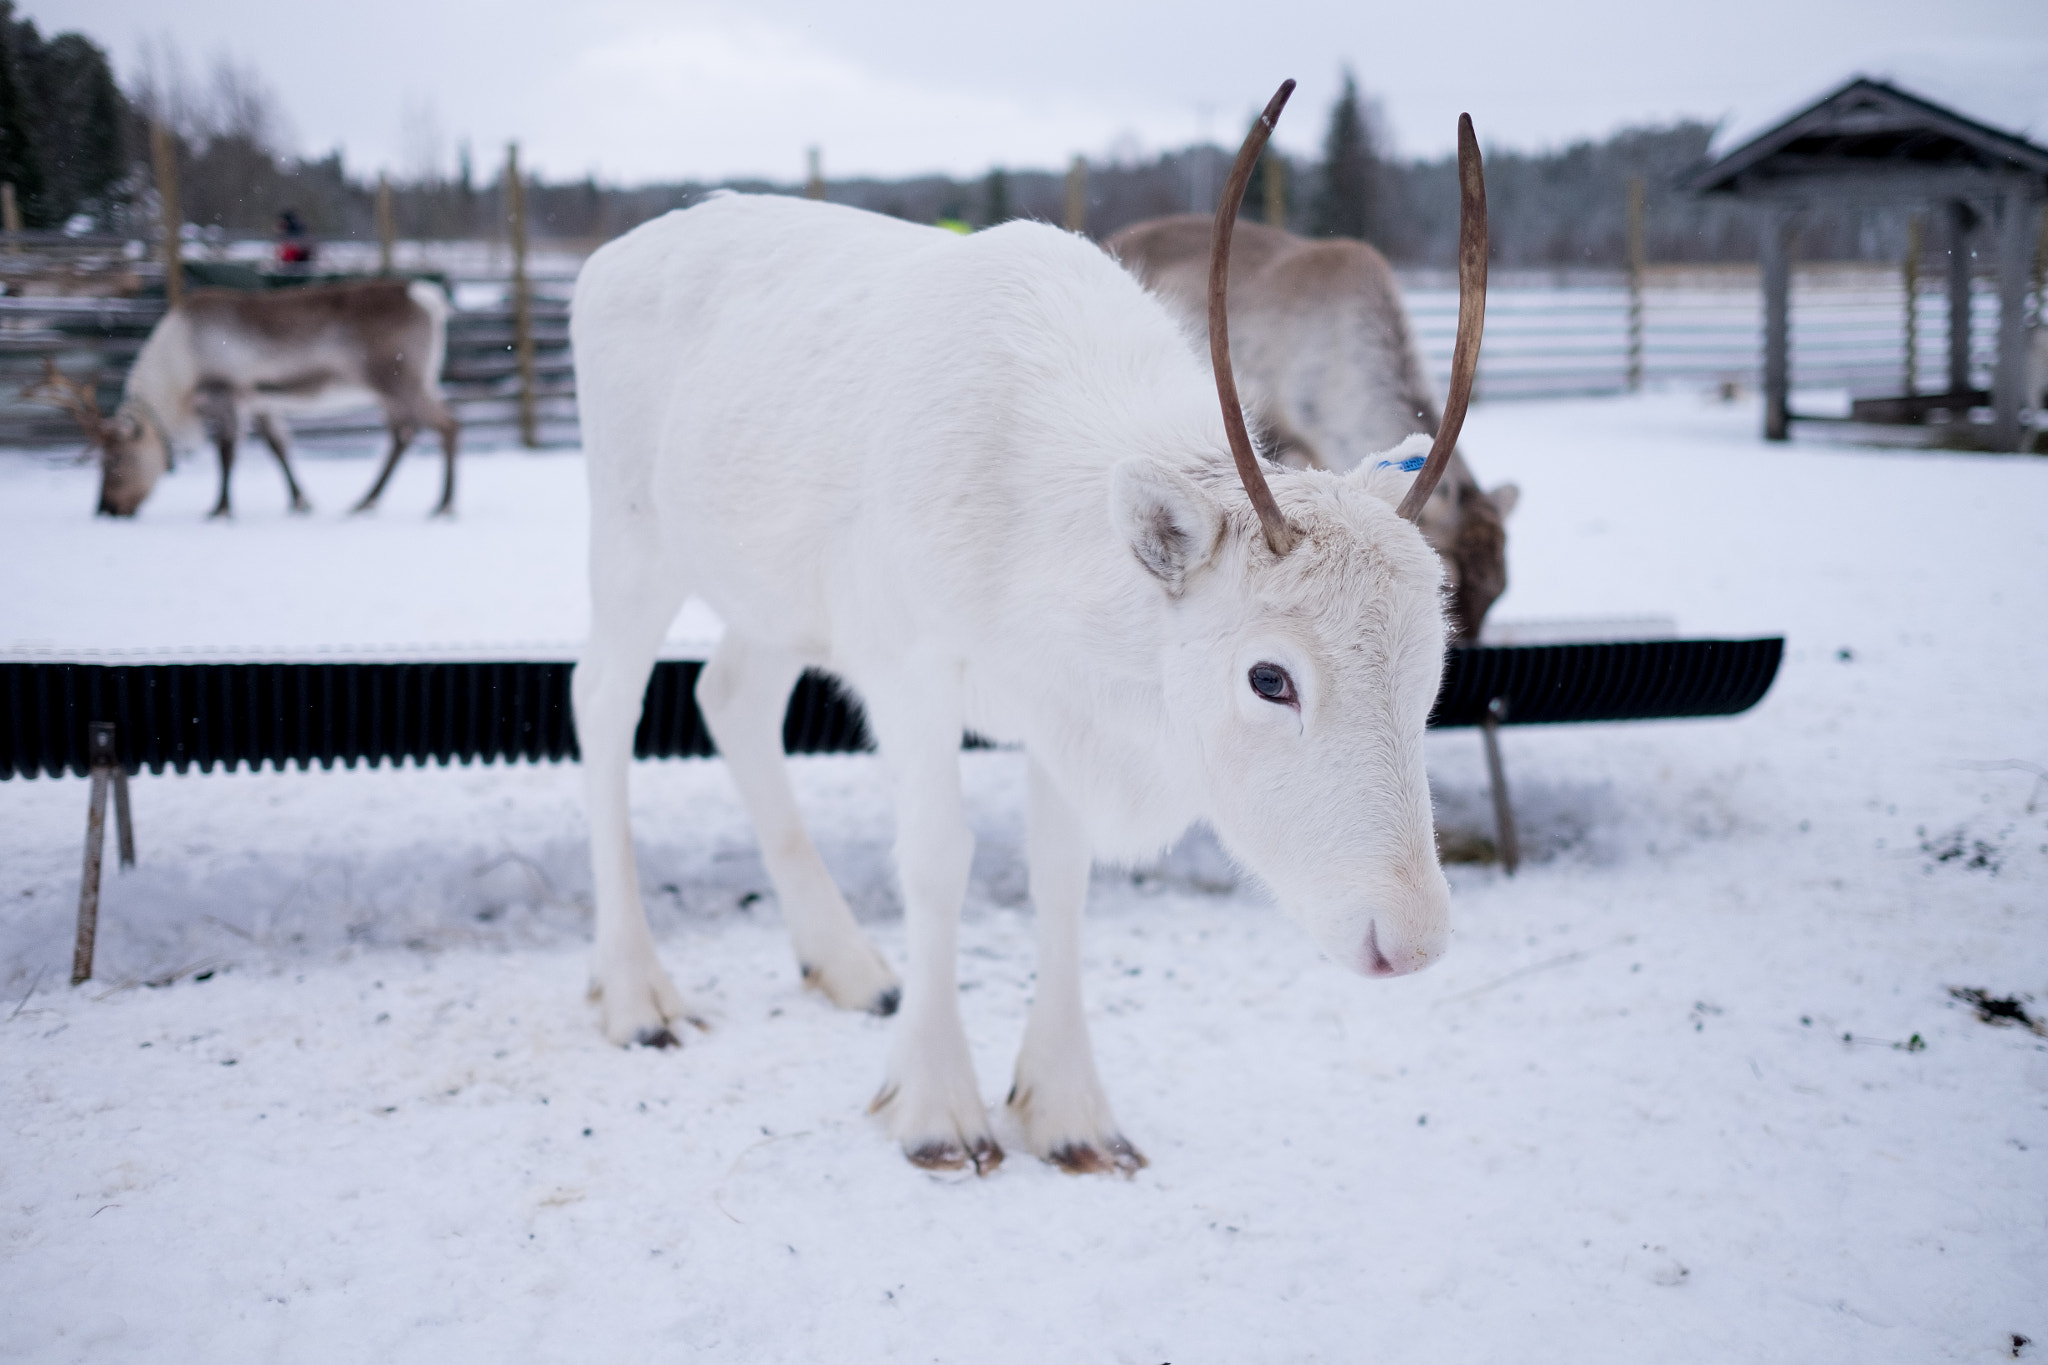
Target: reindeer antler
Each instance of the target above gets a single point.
(1280, 536)
(1471, 317)
(59, 390)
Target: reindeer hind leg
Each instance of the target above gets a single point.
(446, 425)
(401, 437)
(271, 429)
(216, 408)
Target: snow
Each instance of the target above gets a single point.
(1650, 1106)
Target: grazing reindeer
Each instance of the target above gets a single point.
(1327, 354)
(983, 480)
(225, 360)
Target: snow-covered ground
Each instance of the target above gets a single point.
(336, 1093)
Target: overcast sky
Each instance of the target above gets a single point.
(639, 90)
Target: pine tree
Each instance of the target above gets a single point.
(77, 127)
(1344, 204)
(19, 164)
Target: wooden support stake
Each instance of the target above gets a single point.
(522, 297)
(1503, 814)
(106, 770)
(10, 213)
(387, 227)
(1912, 284)
(1636, 256)
(814, 183)
(1777, 271)
(1276, 190)
(1077, 196)
(164, 154)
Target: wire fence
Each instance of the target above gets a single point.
(1550, 336)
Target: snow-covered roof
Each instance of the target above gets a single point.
(1871, 139)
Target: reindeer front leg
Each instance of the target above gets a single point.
(1057, 1098)
(226, 446)
(930, 1100)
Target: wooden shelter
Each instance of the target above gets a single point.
(1871, 144)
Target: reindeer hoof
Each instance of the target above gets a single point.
(983, 1154)
(1114, 1156)
(300, 507)
(854, 978)
(657, 1037)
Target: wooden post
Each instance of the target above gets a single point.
(1276, 190)
(164, 153)
(107, 771)
(10, 213)
(1077, 196)
(1509, 843)
(1636, 254)
(1912, 284)
(2017, 212)
(814, 183)
(522, 295)
(387, 227)
(1961, 218)
(1777, 272)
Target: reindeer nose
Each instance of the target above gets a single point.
(1394, 958)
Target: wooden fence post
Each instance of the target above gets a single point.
(1636, 254)
(10, 214)
(1276, 190)
(814, 183)
(164, 152)
(1961, 219)
(1777, 273)
(387, 228)
(1912, 283)
(1077, 195)
(522, 295)
(2018, 212)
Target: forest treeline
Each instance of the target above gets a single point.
(76, 146)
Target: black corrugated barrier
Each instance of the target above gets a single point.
(231, 714)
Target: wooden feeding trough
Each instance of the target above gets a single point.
(1873, 145)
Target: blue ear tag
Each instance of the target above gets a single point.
(1407, 466)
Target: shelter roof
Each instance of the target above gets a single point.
(1872, 140)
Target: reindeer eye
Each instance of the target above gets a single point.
(1271, 682)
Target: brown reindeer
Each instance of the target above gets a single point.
(226, 361)
(1331, 373)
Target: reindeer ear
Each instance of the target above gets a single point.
(1389, 475)
(1170, 524)
(1505, 497)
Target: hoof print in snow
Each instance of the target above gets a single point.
(982, 1154)
(886, 1003)
(657, 1037)
(1114, 1157)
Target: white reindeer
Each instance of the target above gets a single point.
(225, 361)
(984, 481)
(1331, 372)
